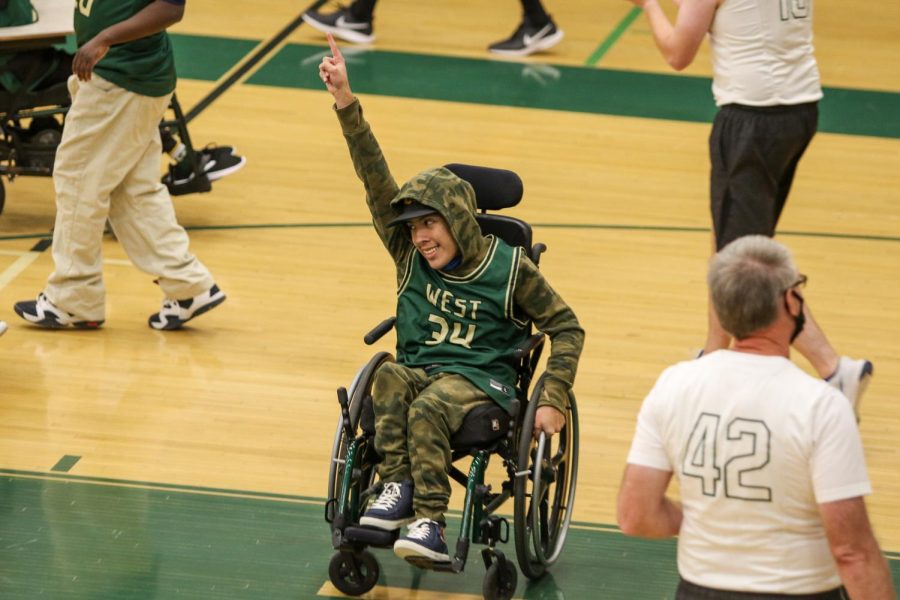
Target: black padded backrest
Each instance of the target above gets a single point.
(514, 232)
(494, 188)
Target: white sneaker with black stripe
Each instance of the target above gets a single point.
(852, 377)
(175, 313)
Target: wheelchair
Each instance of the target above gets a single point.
(540, 475)
(31, 124)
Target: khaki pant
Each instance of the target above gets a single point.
(107, 166)
(415, 415)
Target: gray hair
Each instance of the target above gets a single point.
(747, 279)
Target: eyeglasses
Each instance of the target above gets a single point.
(800, 283)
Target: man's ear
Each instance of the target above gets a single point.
(794, 302)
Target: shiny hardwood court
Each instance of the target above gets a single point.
(144, 464)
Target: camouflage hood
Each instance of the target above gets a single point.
(454, 199)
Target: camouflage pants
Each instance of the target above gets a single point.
(415, 415)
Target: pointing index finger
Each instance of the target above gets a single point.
(335, 51)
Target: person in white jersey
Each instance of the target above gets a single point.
(768, 459)
(766, 85)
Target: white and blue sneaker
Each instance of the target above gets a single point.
(852, 377)
(424, 540)
(43, 313)
(175, 313)
(392, 508)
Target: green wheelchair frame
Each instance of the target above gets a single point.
(541, 477)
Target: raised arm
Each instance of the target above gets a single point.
(368, 160)
(679, 43)
(859, 560)
(153, 18)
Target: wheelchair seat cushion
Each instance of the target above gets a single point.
(484, 424)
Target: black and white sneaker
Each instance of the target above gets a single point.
(44, 313)
(221, 161)
(341, 24)
(527, 39)
(425, 540)
(852, 377)
(393, 507)
(175, 313)
(214, 161)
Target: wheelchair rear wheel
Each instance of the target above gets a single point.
(353, 573)
(545, 490)
(360, 389)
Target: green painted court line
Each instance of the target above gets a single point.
(557, 87)
(208, 58)
(65, 464)
(187, 489)
(614, 36)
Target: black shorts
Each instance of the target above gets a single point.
(690, 591)
(754, 153)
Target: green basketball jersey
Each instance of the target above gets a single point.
(145, 66)
(463, 325)
(17, 12)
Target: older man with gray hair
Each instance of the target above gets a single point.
(769, 459)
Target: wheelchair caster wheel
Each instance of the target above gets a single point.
(500, 582)
(353, 573)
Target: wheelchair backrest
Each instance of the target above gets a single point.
(496, 189)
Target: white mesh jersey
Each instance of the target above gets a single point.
(756, 444)
(763, 54)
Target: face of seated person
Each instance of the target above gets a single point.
(432, 238)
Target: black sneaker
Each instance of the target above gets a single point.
(182, 180)
(220, 161)
(393, 507)
(44, 313)
(175, 313)
(425, 540)
(527, 39)
(341, 24)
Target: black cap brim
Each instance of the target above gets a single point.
(411, 211)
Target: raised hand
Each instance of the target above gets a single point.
(333, 71)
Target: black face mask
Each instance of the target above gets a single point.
(800, 319)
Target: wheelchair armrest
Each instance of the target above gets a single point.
(536, 252)
(525, 348)
(378, 332)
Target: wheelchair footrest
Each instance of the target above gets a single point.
(431, 565)
(371, 536)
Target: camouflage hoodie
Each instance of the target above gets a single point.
(454, 199)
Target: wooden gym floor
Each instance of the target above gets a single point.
(141, 464)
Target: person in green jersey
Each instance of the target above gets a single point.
(14, 13)
(107, 167)
(464, 301)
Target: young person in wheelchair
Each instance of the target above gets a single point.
(464, 302)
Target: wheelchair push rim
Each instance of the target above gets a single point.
(544, 490)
